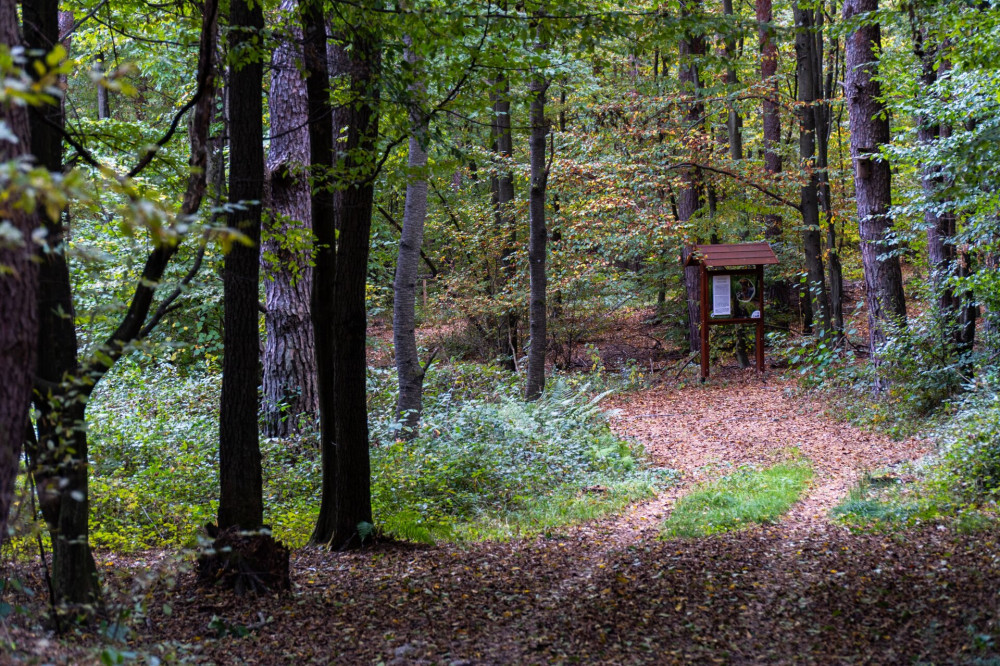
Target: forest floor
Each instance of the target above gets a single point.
(805, 590)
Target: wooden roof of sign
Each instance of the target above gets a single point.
(735, 254)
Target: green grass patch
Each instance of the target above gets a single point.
(747, 497)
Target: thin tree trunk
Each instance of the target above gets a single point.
(291, 401)
(103, 103)
(18, 294)
(869, 124)
(60, 463)
(771, 121)
(240, 482)
(324, 227)
(408, 369)
(340, 331)
(734, 121)
(537, 240)
(689, 199)
(502, 187)
(823, 127)
(809, 77)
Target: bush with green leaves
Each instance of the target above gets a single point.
(483, 464)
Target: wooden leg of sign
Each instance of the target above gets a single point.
(760, 321)
(704, 323)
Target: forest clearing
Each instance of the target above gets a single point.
(552, 331)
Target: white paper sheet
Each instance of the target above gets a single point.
(721, 296)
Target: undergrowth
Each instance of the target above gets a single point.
(484, 464)
(747, 497)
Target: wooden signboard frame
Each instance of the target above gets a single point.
(739, 259)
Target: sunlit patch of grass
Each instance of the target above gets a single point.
(747, 497)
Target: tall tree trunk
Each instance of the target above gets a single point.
(408, 369)
(869, 124)
(60, 463)
(346, 500)
(771, 121)
(809, 76)
(734, 121)
(823, 127)
(18, 293)
(290, 399)
(321, 201)
(502, 188)
(241, 500)
(537, 239)
(689, 199)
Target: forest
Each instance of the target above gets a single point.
(377, 331)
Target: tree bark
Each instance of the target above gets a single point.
(345, 220)
(689, 199)
(537, 240)
(771, 121)
(291, 400)
(408, 369)
(823, 127)
(18, 293)
(502, 188)
(869, 124)
(321, 203)
(241, 502)
(734, 121)
(809, 76)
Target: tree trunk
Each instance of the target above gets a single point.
(502, 187)
(321, 202)
(734, 121)
(408, 369)
(537, 240)
(340, 331)
(823, 127)
(771, 121)
(290, 400)
(103, 103)
(18, 293)
(869, 124)
(809, 76)
(59, 463)
(689, 199)
(241, 501)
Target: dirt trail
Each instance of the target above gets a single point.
(802, 591)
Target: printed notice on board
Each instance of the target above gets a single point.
(721, 296)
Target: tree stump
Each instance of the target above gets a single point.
(244, 561)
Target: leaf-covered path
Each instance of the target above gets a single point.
(802, 591)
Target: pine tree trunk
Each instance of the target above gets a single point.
(291, 401)
(689, 199)
(18, 293)
(869, 125)
(809, 78)
(240, 483)
(408, 369)
(537, 240)
(823, 126)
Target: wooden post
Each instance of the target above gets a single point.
(704, 322)
(760, 321)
